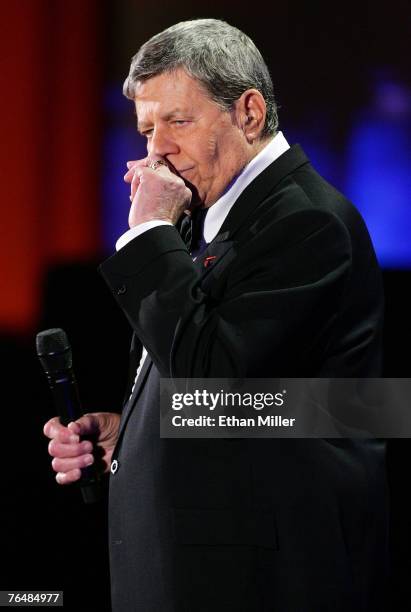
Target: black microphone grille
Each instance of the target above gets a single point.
(54, 350)
(52, 341)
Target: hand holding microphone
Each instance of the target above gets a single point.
(73, 458)
(71, 454)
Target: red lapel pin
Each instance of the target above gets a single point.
(208, 260)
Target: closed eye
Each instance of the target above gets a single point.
(176, 122)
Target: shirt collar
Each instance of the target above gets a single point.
(219, 210)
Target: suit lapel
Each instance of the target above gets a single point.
(136, 392)
(136, 349)
(246, 206)
(258, 190)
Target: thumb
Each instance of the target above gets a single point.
(74, 427)
(85, 425)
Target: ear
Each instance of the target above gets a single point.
(251, 111)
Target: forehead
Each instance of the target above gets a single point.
(168, 92)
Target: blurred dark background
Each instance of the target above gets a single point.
(341, 73)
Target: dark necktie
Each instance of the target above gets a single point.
(198, 243)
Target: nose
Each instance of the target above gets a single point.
(161, 143)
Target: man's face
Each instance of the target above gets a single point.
(184, 126)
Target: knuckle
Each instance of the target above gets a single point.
(73, 475)
(87, 460)
(56, 464)
(67, 436)
(60, 434)
(52, 448)
(51, 426)
(86, 446)
(63, 478)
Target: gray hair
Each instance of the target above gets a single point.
(221, 57)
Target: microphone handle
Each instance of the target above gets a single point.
(63, 386)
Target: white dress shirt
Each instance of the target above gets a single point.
(219, 210)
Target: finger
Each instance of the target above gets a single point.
(140, 174)
(135, 184)
(132, 165)
(137, 162)
(59, 449)
(161, 170)
(73, 463)
(165, 167)
(74, 428)
(128, 177)
(53, 428)
(86, 425)
(68, 477)
(152, 159)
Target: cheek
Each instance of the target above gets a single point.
(208, 159)
(212, 149)
(205, 156)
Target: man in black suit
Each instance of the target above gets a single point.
(271, 273)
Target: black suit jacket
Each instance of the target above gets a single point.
(250, 525)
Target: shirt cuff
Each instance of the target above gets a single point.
(137, 230)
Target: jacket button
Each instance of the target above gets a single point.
(121, 290)
(114, 466)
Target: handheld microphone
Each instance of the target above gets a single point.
(54, 352)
